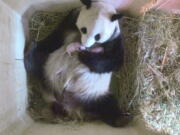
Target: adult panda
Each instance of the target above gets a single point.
(77, 63)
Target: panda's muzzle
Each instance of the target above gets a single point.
(95, 48)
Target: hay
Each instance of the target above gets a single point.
(148, 83)
(43, 23)
(159, 71)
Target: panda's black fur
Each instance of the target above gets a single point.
(109, 61)
(105, 107)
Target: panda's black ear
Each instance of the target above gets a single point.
(87, 3)
(116, 17)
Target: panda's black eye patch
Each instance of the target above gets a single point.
(84, 30)
(97, 37)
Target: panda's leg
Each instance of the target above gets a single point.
(107, 109)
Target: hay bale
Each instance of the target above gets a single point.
(159, 71)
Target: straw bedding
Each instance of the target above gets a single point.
(158, 71)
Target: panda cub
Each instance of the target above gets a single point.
(77, 61)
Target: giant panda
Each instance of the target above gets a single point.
(76, 63)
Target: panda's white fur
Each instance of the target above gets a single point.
(97, 20)
(66, 72)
